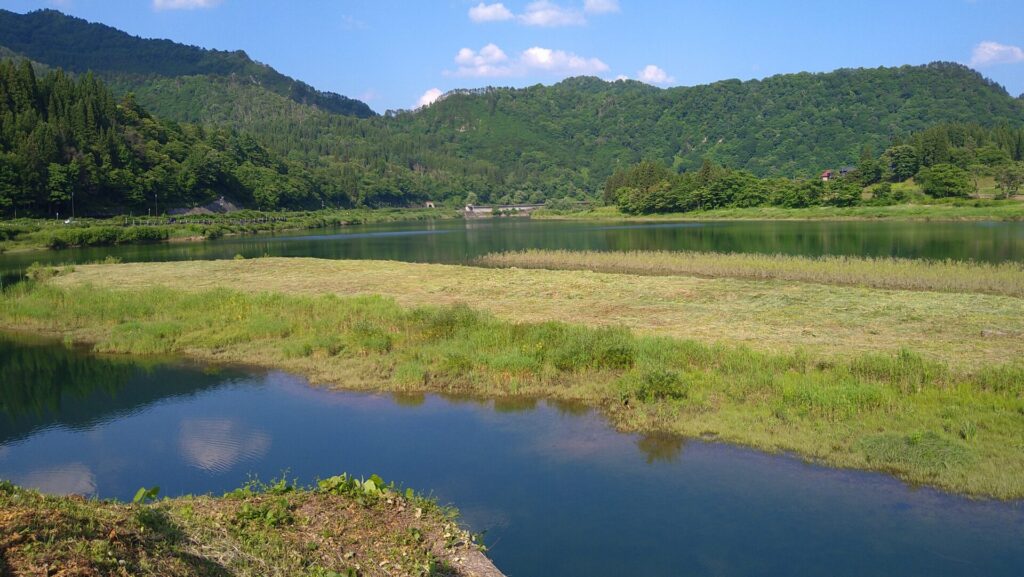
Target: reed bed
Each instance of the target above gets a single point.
(1005, 278)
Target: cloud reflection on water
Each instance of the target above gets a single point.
(68, 479)
(217, 445)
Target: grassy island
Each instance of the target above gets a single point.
(925, 385)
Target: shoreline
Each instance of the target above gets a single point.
(1013, 212)
(617, 417)
(341, 526)
(889, 412)
(316, 220)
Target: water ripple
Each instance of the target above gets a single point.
(217, 445)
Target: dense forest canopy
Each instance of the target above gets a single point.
(76, 45)
(502, 145)
(66, 144)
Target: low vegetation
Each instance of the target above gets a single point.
(343, 527)
(965, 329)
(888, 273)
(947, 424)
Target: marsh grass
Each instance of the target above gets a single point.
(966, 330)
(887, 273)
(826, 408)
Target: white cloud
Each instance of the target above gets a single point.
(489, 54)
(490, 13)
(600, 6)
(429, 97)
(349, 22)
(491, 61)
(548, 14)
(184, 4)
(652, 74)
(545, 13)
(989, 53)
(561, 61)
(621, 77)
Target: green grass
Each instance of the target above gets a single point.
(968, 330)
(342, 527)
(887, 273)
(864, 410)
(959, 209)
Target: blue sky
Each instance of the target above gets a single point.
(394, 53)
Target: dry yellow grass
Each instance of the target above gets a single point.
(890, 273)
(968, 330)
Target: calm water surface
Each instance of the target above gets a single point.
(457, 241)
(556, 490)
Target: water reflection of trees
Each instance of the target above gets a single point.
(42, 385)
(661, 447)
(959, 241)
(35, 379)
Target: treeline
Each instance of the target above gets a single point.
(945, 161)
(66, 144)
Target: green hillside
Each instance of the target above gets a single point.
(76, 45)
(791, 125)
(67, 145)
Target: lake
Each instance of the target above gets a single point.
(458, 241)
(555, 489)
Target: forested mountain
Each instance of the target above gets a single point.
(515, 145)
(795, 124)
(67, 145)
(76, 45)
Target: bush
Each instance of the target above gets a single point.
(658, 385)
(945, 180)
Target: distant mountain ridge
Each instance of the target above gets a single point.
(76, 45)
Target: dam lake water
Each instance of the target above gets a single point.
(554, 489)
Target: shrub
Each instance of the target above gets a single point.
(658, 385)
(945, 180)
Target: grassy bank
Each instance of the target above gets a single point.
(887, 273)
(928, 421)
(965, 209)
(38, 234)
(342, 528)
(964, 329)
